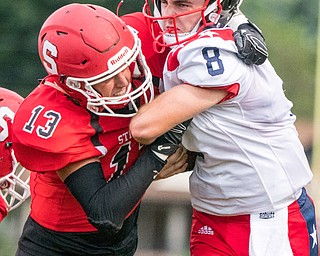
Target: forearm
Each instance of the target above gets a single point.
(152, 120)
(171, 108)
(108, 204)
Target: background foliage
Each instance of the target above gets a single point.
(289, 27)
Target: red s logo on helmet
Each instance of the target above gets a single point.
(87, 51)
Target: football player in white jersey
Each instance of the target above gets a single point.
(248, 182)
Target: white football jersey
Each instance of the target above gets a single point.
(253, 160)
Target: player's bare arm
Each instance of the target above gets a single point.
(172, 107)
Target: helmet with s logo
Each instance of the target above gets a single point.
(14, 179)
(85, 45)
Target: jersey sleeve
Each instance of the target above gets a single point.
(209, 61)
(48, 136)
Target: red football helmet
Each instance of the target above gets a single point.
(168, 37)
(85, 45)
(14, 179)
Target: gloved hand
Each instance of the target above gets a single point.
(251, 45)
(168, 143)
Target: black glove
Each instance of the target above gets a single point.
(165, 145)
(251, 45)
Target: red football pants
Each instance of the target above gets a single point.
(286, 232)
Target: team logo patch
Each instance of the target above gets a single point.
(267, 215)
(205, 230)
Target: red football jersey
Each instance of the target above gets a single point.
(51, 131)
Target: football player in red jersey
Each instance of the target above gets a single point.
(14, 179)
(247, 187)
(88, 174)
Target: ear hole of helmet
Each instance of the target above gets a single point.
(136, 68)
(212, 17)
(75, 84)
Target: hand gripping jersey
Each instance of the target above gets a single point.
(51, 134)
(252, 159)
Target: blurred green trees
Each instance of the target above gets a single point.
(289, 27)
(290, 30)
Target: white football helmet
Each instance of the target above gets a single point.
(14, 179)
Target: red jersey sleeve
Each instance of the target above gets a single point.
(50, 135)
